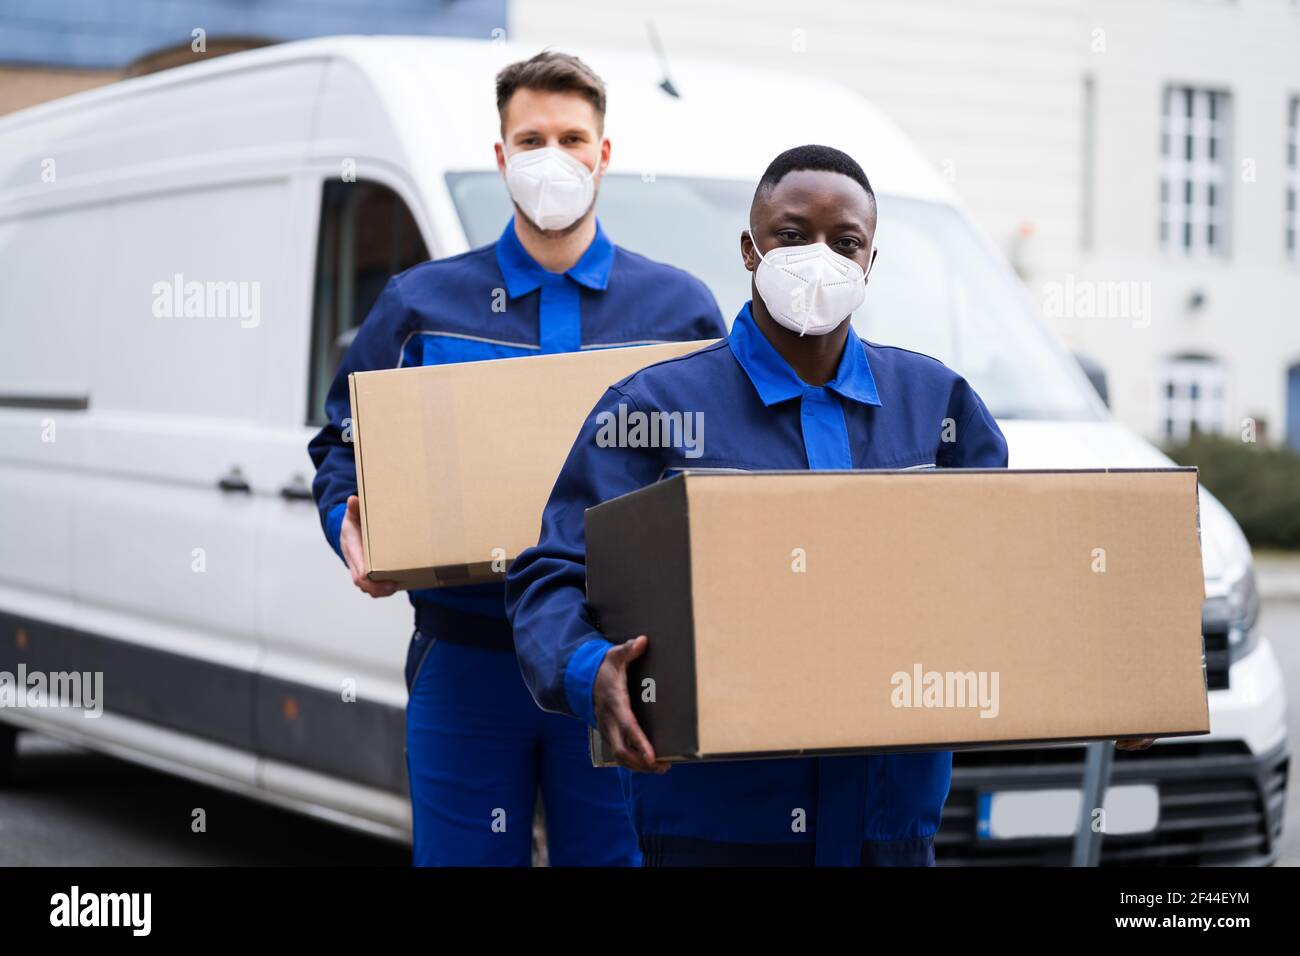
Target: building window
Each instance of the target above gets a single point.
(1293, 180)
(1194, 154)
(1193, 397)
(366, 235)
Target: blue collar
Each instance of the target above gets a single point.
(774, 379)
(523, 275)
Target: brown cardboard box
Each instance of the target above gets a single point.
(455, 462)
(1064, 605)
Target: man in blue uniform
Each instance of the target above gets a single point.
(792, 387)
(478, 749)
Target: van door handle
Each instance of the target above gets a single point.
(234, 480)
(296, 490)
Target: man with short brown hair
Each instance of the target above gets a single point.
(478, 747)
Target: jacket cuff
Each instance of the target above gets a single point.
(334, 528)
(580, 677)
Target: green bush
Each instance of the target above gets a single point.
(1259, 485)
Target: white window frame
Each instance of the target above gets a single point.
(1292, 208)
(1200, 397)
(1194, 189)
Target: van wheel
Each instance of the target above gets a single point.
(8, 752)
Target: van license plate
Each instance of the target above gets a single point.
(1008, 814)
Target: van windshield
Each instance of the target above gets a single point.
(936, 287)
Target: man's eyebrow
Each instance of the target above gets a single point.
(791, 216)
(530, 131)
(802, 220)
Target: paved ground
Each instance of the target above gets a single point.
(1278, 575)
(77, 808)
(73, 807)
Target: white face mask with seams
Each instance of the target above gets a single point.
(552, 188)
(809, 289)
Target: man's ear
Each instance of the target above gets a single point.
(604, 155)
(501, 158)
(747, 252)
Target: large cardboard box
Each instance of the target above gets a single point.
(455, 462)
(830, 612)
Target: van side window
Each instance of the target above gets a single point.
(366, 235)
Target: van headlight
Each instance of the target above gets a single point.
(1235, 614)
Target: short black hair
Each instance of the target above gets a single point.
(822, 158)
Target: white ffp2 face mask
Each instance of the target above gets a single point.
(552, 188)
(809, 289)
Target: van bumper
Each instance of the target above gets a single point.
(1222, 795)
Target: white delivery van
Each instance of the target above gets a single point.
(183, 256)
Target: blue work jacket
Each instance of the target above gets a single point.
(885, 408)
